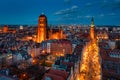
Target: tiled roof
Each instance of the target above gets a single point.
(63, 74)
(110, 73)
(115, 51)
(69, 64)
(52, 77)
(105, 56)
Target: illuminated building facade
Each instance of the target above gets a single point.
(42, 28)
(5, 29)
(56, 33)
(44, 33)
(102, 35)
(59, 47)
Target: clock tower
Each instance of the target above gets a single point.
(92, 35)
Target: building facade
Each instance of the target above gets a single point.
(45, 33)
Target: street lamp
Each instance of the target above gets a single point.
(43, 51)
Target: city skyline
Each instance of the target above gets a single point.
(64, 52)
(105, 12)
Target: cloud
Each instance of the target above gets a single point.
(116, 5)
(101, 15)
(107, 14)
(111, 14)
(68, 14)
(67, 1)
(88, 16)
(88, 4)
(105, 1)
(73, 9)
(79, 16)
(111, 5)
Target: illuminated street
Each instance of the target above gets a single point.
(90, 68)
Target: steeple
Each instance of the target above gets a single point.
(92, 29)
(92, 22)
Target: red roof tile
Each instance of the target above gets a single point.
(60, 73)
(70, 64)
(105, 56)
(52, 76)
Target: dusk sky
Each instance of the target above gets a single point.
(105, 12)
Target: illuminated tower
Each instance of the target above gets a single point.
(5, 29)
(50, 33)
(61, 33)
(92, 36)
(42, 28)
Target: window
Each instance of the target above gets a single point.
(48, 78)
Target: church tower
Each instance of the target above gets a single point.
(61, 33)
(42, 28)
(92, 35)
(5, 29)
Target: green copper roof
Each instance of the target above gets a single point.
(92, 21)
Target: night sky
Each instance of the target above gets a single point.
(105, 12)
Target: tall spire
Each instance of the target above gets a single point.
(92, 22)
